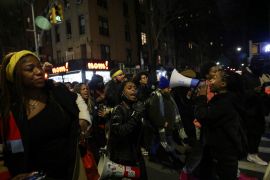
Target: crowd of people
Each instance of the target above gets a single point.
(56, 130)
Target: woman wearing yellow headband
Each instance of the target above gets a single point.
(38, 120)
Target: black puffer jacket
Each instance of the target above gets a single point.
(124, 137)
(222, 122)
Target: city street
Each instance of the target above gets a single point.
(255, 170)
(157, 171)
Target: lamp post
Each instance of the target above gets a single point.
(34, 28)
(34, 25)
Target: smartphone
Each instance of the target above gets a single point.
(36, 176)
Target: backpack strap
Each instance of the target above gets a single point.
(161, 104)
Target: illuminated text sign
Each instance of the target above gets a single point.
(60, 69)
(98, 65)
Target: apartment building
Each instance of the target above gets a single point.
(96, 29)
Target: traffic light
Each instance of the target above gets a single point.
(56, 14)
(59, 13)
(53, 15)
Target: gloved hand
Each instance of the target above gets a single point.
(138, 108)
(163, 141)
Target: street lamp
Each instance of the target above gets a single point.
(238, 49)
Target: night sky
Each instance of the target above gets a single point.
(247, 18)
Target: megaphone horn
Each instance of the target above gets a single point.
(107, 168)
(178, 79)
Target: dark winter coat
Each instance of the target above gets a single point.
(254, 104)
(155, 113)
(222, 124)
(143, 93)
(112, 93)
(186, 109)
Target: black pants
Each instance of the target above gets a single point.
(220, 167)
(253, 143)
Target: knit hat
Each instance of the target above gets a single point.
(163, 83)
(14, 59)
(96, 82)
(188, 73)
(115, 72)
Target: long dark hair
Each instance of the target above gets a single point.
(10, 91)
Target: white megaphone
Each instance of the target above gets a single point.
(107, 168)
(43, 23)
(178, 79)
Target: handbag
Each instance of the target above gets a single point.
(88, 160)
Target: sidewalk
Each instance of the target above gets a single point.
(255, 170)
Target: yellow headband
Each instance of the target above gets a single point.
(117, 73)
(14, 60)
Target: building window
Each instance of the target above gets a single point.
(103, 26)
(127, 32)
(68, 29)
(102, 3)
(129, 55)
(143, 38)
(78, 2)
(105, 51)
(67, 4)
(142, 17)
(125, 8)
(83, 51)
(69, 54)
(47, 37)
(58, 56)
(57, 34)
(81, 24)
